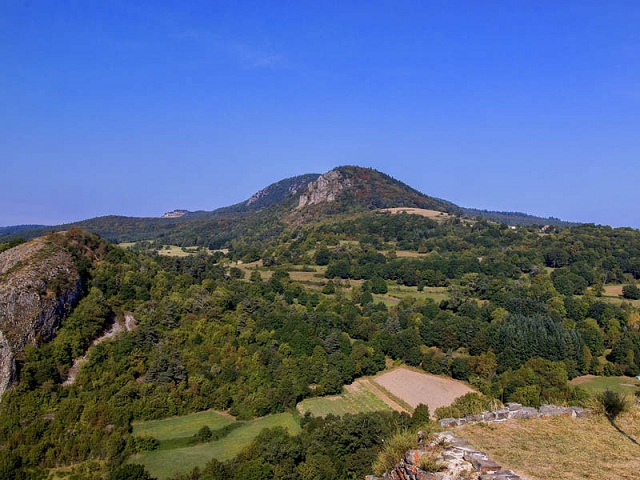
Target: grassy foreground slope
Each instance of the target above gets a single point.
(563, 448)
(164, 463)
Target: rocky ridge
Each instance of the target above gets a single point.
(39, 284)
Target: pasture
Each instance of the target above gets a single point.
(595, 384)
(355, 400)
(183, 426)
(163, 464)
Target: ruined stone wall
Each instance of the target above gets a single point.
(514, 410)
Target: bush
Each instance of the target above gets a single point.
(130, 471)
(421, 416)
(468, 404)
(614, 403)
(146, 444)
(429, 462)
(204, 434)
(631, 292)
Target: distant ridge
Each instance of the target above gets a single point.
(15, 229)
(516, 218)
(304, 198)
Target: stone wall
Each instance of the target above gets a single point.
(514, 410)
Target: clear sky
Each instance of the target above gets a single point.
(138, 108)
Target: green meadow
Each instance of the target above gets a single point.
(165, 462)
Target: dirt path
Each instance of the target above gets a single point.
(116, 327)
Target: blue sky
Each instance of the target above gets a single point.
(137, 108)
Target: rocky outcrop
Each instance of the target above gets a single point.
(325, 189)
(39, 284)
(175, 214)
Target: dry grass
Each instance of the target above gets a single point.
(562, 448)
(316, 276)
(410, 254)
(423, 212)
(613, 294)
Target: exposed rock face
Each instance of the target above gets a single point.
(279, 191)
(325, 189)
(39, 284)
(175, 214)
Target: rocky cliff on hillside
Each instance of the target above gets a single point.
(39, 284)
(325, 189)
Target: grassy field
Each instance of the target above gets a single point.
(164, 463)
(181, 426)
(596, 384)
(359, 400)
(433, 214)
(174, 250)
(562, 448)
(398, 292)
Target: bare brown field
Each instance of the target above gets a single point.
(423, 212)
(562, 448)
(613, 290)
(409, 254)
(315, 276)
(414, 388)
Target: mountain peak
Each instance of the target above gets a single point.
(353, 186)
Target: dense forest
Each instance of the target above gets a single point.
(522, 312)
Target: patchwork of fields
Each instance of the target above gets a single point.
(358, 399)
(401, 389)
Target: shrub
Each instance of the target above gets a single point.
(631, 292)
(394, 450)
(130, 471)
(614, 403)
(421, 415)
(204, 434)
(430, 462)
(468, 404)
(146, 444)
